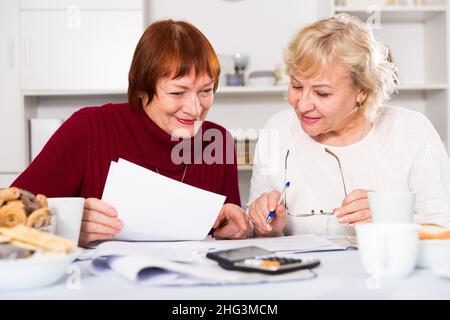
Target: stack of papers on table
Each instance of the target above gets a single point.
(184, 262)
(154, 207)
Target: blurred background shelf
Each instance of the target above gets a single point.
(423, 87)
(46, 74)
(251, 90)
(245, 167)
(395, 13)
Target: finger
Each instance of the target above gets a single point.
(280, 211)
(354, 206)
(261, 208)
(92, 227)
(232, 214)
(272, 200)
(219, 219)
(227, 231)
(361, 221)
(356, 216)
(86, 238)
(242, 227)
(253, 215)
(100, 205)
(354, 195)
(99, 217)
(238, 216)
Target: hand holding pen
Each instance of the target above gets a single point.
(280, 199)
(268, 213)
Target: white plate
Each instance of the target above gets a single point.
(34, 272)
(443, 270)
(433, 253)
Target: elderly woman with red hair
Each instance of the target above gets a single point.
(172, 80)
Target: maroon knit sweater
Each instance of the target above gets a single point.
(76, 160)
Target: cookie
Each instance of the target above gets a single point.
(10, 194)
(12, 215)
(30, 201)
(16, 203)
(43, 240)
(39, 218)
(42, 200)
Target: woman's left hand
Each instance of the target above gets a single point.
(354, 209)
(232, 223)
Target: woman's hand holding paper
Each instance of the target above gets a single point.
(100, 222)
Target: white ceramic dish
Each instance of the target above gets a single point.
(34, 272)
(433, 253)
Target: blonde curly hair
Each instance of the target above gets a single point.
(347, 40)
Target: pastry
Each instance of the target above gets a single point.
(12, 215)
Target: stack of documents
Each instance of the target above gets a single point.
(154, 207)
(184, 262)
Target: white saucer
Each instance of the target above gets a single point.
(433, 253)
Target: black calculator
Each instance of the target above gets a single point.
(256, 259)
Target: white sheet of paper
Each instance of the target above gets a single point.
(156, 208)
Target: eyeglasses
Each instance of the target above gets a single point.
(313, 212)
(340, 168)
(321, 212)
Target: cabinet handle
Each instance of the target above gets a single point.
(12, 51)
(27, 50)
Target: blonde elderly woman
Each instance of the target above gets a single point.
(339, 140)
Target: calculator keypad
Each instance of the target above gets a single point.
(271, 261)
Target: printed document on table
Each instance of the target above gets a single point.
(156, 208)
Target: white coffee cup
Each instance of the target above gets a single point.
(388, 249)
(392, 206)
(69, 214)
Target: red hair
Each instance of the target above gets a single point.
(169, 48)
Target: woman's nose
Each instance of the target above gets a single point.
(305, 103)
(192, 106)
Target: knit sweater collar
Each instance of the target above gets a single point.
(158, 145)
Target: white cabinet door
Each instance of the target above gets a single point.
(78, 49)
(12, 121)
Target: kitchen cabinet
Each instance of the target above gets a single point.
(78, 46)
(11, 112)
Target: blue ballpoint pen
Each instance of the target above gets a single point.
(272, 213)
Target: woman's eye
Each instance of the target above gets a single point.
(323, 94)
(206, 92)
(177, 93)
(297, 87)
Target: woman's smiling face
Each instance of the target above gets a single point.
(326, 102)
(180, 105)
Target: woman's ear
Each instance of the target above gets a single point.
(361, 97)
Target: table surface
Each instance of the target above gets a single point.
(340, 276)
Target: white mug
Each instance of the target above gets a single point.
(388, 249)
(69, 214)
(392, 206)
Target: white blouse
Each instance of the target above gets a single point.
(401, 152)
